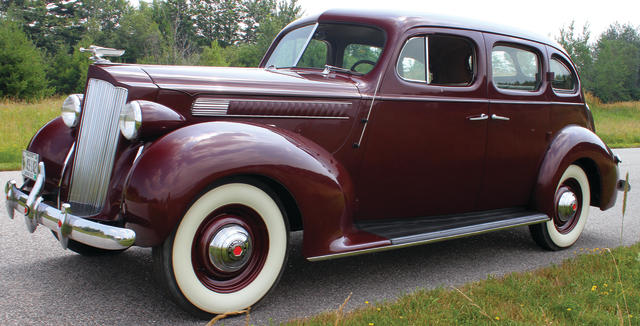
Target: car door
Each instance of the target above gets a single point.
(425, 139)
(519, 128)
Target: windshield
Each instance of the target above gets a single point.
(353, 48)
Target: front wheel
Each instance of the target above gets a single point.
(227, 252)
(570, 211)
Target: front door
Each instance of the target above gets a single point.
(425, 141)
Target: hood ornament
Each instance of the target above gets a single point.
(99, 52)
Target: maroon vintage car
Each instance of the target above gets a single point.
(367, 130)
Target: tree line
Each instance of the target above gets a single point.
(609, 67)
(40, 40)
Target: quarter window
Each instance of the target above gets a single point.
(437, 60)
(515, 68)
(563, 79)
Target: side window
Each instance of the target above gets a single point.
(515, 68)
(315, 55)
(411, 63)
(563, 79)
(361, 57)
(438, 60)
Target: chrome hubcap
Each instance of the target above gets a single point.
(230, 248)
(567, 206)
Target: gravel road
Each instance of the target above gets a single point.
(42, 284)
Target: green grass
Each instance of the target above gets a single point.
(618, 124)
(585, 290)
(18, 123)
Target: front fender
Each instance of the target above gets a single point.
(577, 145)
(172, 172)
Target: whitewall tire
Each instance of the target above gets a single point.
(227, 252)
(570, 211)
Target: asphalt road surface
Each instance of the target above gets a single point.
(42, 284)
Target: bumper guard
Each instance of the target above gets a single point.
(65, 224)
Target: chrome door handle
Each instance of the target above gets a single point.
(497, 117)
(478, 117)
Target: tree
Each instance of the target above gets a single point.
(22, 74)
(249, 54)
(213, 55)
(578, 48)
(618, 49)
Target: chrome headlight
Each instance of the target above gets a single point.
(130, 120)
(71, 108)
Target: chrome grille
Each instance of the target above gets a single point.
(97, 143)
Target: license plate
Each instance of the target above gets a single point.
(30, 164)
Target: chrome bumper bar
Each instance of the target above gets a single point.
(66, 225)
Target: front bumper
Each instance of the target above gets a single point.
(66, 225)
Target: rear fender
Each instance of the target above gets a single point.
(577, 145)
(172, 172)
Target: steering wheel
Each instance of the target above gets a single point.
(359, 62)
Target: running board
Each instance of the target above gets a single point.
(417, 231)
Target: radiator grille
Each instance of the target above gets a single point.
(97, 143)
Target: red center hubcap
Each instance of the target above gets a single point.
(237, 251)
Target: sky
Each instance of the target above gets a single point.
(544, 17)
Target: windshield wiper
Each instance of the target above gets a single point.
(329, 68)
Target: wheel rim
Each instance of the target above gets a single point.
(230, 248)
(568, 206)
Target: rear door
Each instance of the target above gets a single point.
(519, 129)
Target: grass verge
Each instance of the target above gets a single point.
(618, 124)
(19, 121)
(591, 289)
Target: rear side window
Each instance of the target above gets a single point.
(515, 68)
(563, 79)
(437, 60)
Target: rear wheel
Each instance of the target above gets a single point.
(571, 209)
(227, 252)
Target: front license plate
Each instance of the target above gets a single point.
(30, 164)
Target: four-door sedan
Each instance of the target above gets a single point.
(367, 130)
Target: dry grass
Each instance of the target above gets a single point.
(18, 123)
(618, 124)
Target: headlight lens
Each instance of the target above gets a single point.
(71, 108)
(130, 120)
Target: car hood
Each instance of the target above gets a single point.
(250, 81)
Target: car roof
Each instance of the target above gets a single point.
(405, 20)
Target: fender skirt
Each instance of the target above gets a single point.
(577, 145)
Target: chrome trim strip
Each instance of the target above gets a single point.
(465, 100)
(533, 102)
(258, 91)
(275, 116)
(140, 149)
(416, 243)
(97, 142)
(430, 99)
(66, 225)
